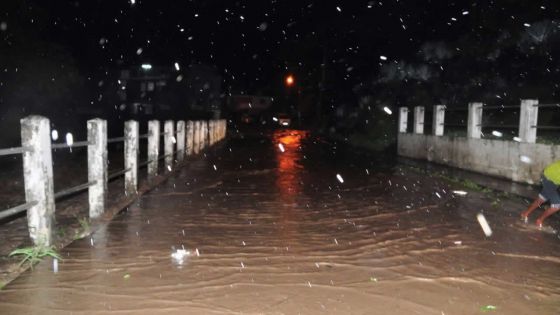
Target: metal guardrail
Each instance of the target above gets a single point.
(119, 173)
(73, 145)
(17, 209)
(12, 151)
(72, 190)
(114, 140)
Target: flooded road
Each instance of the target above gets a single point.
(283, 223)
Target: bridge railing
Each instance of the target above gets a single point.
(526, 128)
(180, 139)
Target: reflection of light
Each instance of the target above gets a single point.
(288, 157)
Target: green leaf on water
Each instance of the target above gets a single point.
(488, 308)
(126, 276)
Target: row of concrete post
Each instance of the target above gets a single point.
(529, 110)
(180, 139)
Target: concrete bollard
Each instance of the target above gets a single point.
(474, 128)
(131, 144)
(190, 137)
(527, 119)
(196, 137)
(153, 148)
(168, 141)
(403, 119)
(438, 120)
(180, 141)
(97, 166)
(419, 119)
(38, 177)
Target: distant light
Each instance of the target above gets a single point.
(177, 67)
(497, 133)
(146, 66)
(290, 80)
(382, 57)
(387, 110)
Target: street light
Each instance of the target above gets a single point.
(290, 80)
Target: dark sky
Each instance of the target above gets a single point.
(254, 43)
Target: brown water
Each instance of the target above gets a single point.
(272, 232)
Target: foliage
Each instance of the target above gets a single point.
(34, 254)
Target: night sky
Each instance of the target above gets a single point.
(254, 44)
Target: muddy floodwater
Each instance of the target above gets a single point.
(285, 223)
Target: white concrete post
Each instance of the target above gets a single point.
(403, 119)
(438, 120)
(527, 119)
(204, 134)
(419, 119)
(131, 143)
(38, 177)
(190, 137)
(97, 166)
(153, 148)
(196, 137)
(168, 141)
(211, 132)
(474, 128)
(180, 141)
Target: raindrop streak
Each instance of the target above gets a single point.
(387, 110)
(340, 179)
(69, 139)
(54, 135)
(484, 224)
(281, 147)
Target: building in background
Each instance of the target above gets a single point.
(164, 92)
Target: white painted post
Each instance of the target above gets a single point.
(97, 166)
(438, 120)
(474, 128)
(527, 119)
(180, 141)
(196, 137)
(190, 137)
(419, 119)
(38, 177)
(153, 148)
(131, 143)
(403, 119)
(168, 142)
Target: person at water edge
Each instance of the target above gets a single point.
(550, 184)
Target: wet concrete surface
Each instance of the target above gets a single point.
(270, 229)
